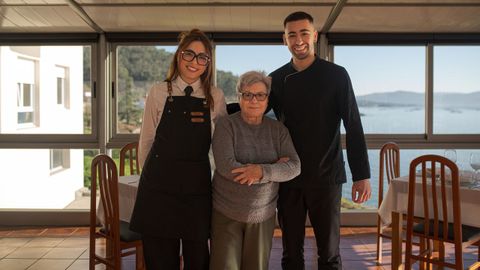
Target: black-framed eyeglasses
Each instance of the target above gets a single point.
(249, 96)
(189, 55)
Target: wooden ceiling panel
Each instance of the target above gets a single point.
(357, 16)
(382, 19)
(221, 18)
(42, 19)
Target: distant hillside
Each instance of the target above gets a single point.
(406, 98)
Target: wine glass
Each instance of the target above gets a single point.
(475, 163)
(451, 154)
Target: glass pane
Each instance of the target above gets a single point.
(39, 188)
(138, 68)
(57, 158)
(27, 95)
(25, 117)
(389, 85)
(59, 90)
(406, 156)
(35, 69)
(456, 90)
(234, 60)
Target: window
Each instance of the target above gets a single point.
(231, 61)
(47, 90)
(389, 85)
(45, 178)
(138, 68)
(62, 86)
(26, 97)
(59, 159)
(456, 94)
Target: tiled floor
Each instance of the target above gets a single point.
(67, 248)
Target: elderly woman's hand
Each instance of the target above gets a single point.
(248, 174)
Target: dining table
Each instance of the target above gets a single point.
(395, 203)
(127, 193)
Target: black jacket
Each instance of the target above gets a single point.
(311, 103)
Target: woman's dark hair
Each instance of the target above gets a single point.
(297, 16)
(185, 38)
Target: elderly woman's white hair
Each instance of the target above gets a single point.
(252, 77)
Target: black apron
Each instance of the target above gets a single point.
(174, 194)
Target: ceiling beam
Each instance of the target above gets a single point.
(332, 17)
(80, 12)
(212, 4)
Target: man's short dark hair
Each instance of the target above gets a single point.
(297, 16)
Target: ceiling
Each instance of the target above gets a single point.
(332, 16)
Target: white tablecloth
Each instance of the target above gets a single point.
(127, 193)
(396, 199)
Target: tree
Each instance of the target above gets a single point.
(227, 82)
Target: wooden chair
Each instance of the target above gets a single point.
(435, 225)
(119, 240)
(129, 152)
(389, 169)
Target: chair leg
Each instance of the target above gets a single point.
(379, 249)
(441, 253)
(91, 260)
(423, 247)
(139, 260)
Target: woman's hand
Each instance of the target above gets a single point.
(248, 174)
(283, 159)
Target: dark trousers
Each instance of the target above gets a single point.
(323, 208)
(164, 254)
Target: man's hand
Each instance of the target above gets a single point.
(361, 191)
(248, 174)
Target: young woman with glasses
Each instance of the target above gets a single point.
(253, 153)
(173, 205)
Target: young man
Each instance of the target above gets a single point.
(311, 97)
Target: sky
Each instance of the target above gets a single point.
(372, 69)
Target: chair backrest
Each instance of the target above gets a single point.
(129, 152)
(104, 171)
(389, 166)
(432, 177)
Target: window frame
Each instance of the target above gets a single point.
(103, 137)
(64, 163)
(427, 140)
(55, 140)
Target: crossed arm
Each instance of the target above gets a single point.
(282, 168)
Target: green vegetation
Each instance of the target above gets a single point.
(88, 156)
(347, 204)
(139, 67)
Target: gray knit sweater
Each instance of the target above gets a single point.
(236, 143)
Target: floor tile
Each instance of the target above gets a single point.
(50, 264)
(75, 242)
(44, 242)
(16, 264)
(60, 231)
(28, 253)
(14, 241)
(5, 231)
(4, 251)
(84, 231)
(79, 265)
(27, 232)
(64, 253)
(367, 265)
(85, 254)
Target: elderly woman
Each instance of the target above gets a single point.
(252, 154)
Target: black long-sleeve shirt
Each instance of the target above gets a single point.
(311, 103)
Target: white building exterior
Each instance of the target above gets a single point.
(41, 92)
